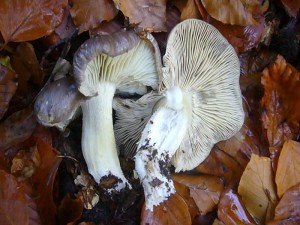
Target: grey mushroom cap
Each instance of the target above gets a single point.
(57, 103)
(121, 58)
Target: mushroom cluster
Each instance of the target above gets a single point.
(201, 105)
(101, 66)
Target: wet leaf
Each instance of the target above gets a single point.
(17, 128)
(26, 65)
(89, 14)
(291, 6)
(287, 211)
(257, 187)
(8, 86)
(145, 13)
(235, 12)
(173, 211)
(17, 207)
(69, 210)
(219, 163)
(281, 104)
(288, 169)
(231, 210)
(205, 190)
(25, 20)
(43, 180)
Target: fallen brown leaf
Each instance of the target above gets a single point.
(69, 210)
(17, 128)
(231, 210)
(287, 211)
(173, 211)
(291, 6)
(17, 206)
(281, 104)
(205, 190)
(89, 14)
(288, 168)
(146, 14)
(190, 11)
(257, 187)
(8, 86)
(25, 20)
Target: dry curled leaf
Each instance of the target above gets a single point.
(281, 104)
(145, 13)
(173, 211)
(25, 20)
(17, 128)
(257, 187)
(235, 12)
(288, 168)
(89, 14)
(231, 210)
(205, 190)
(288, 209)
(17, 206)
(8, 86)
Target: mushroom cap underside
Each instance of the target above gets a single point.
(121, 58)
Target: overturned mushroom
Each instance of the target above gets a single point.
(101, 66)
(58, 103)
(202, 105)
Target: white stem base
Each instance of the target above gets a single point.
(98, 140)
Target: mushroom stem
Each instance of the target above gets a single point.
(98, 140)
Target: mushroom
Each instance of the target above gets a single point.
(57, 103)
(102, 65)
(201, 105)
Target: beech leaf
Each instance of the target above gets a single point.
(173, 211)
(25, 20)
(8, 87)
(288, 209)
(17, 207)
(257, 188)
(234, 12)
(17, 128)
(89, 14)
(231, 209)
(288, 169)
(281, 104)
(147, 14)
(205, 190)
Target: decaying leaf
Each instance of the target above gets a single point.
(288, 168)
(172, 211)
(257, 187)
(235, 12)
(231, 209)
(43, 179)
(25, 20)
(288, 209)
(26, 65)
(17, 206)
(291, 6)
(8, 86)
(190, 11)
(205, 190)
(89, 14)
(145, 13)
(25, 163)
(17, 128)
(281, 104)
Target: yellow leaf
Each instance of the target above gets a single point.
(257, 187)
(288, 170)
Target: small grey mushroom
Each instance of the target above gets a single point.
(57, 103)
(102, 65)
